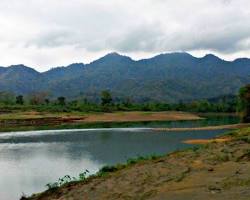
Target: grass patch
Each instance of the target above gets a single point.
(67, 179)
(104, 171)
(227, 184)
(109, 169)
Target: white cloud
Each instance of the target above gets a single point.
(46, 33)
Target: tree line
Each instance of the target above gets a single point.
(40, 101)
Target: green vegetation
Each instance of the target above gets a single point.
(19, 100)
(164, 78)
(61, 101)
(40, 102)
(67, 179)
(109, 169)
(104, 171)
(244, 103)
(106, 98)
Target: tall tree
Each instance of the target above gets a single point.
(19, 100)
(38, 98)
(61, 101)
(106, 98)
(47, 101)
(244, 103)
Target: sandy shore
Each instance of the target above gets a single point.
(32, 120)
(37, 118)
(221, 127)
(140, 116)
(207, 141)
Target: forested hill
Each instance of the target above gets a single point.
(165, 77)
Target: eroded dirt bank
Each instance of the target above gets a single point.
(218, 171)
(38, 120)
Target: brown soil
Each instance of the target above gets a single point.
(207, 141)
(221, 127)
(218, 171)
(140, 116)
(38, 119)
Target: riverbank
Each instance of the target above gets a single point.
(220, 127)
(21, 121)
(223, 168)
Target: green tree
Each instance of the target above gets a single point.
(127, 102)
(47, 101)
(7, 98)
(37, 98)
(243, 106)
(19, 100)
(204, 106)
(106, 98)
(61, 101)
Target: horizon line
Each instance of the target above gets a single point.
(130, 57)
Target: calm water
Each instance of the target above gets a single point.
(30, 160)
(209, 121)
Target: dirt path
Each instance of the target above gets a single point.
(218, 171)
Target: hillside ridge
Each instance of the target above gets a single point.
(170, 77)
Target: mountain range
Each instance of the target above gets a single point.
(167, 77)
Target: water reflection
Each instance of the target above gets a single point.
(29, 160)
(28, 167)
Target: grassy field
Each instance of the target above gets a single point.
(218, 170)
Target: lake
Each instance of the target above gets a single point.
(30, 160)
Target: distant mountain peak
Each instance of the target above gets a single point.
(242, 60)
(174, 54)
(168, 77)
(113, 54)
(211, 57)
(21, 68)
(113, 57)
(18, 66)
(180, 53)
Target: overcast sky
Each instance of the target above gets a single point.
(48, 33)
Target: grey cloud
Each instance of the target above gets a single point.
(52, 39)
(112, 28)
(145, 37)
(91, 27)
